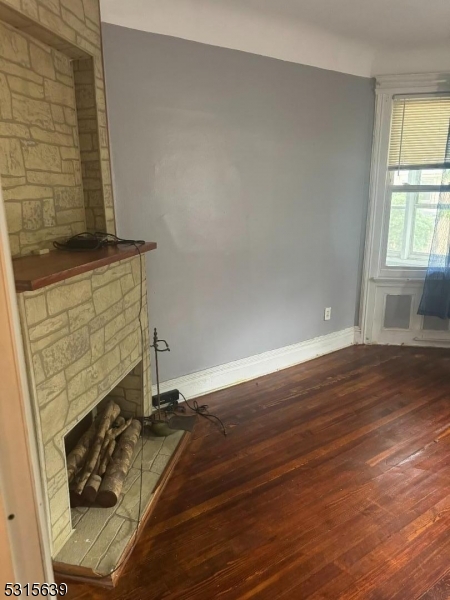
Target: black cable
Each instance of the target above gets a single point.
(81, 242)
(88, 241)
(202, 410)
(110, 239)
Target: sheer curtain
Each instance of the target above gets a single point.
(435, 300)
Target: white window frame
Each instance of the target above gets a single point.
(375, 270)
(407, 252)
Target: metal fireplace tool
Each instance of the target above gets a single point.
(159, 425)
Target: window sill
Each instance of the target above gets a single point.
(398, 280)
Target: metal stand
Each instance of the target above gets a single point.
(159, 426)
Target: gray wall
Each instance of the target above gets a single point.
(252, 176)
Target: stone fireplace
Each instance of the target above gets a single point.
(80, 330)
(86, 341)
(83, 315)
(82, 340)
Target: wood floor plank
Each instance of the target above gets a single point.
(439, 591)
(333, 482)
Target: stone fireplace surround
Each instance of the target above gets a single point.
(79, 314)
(82, 338)
(80, 327)
(81, 331)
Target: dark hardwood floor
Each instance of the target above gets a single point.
(333, 482)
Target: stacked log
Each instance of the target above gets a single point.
(76, 458)
(101, 459)
(118, 467)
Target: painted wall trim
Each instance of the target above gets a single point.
(258, 32)
(216, 378)
(375, 274)
(245, 29)
(413, 60)
(25, 537)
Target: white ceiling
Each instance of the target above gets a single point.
(361, 37)
(400, 24)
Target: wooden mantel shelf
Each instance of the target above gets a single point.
(34, 272)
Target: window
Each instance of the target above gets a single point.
(418, 171)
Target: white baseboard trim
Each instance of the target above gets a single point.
(358, 336)
(216, 378)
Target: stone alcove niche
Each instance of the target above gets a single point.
(54, 149)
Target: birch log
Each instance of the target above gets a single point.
(118, 466)
(109, 443)
(93, 483)
(115, 432)
(118, 422)
(108, 416)
(76, 458)
(106, 458)
(91, 488)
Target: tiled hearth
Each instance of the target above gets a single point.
(102, 534)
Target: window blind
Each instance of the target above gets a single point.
(420, 133)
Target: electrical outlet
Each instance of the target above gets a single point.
(327, 314)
